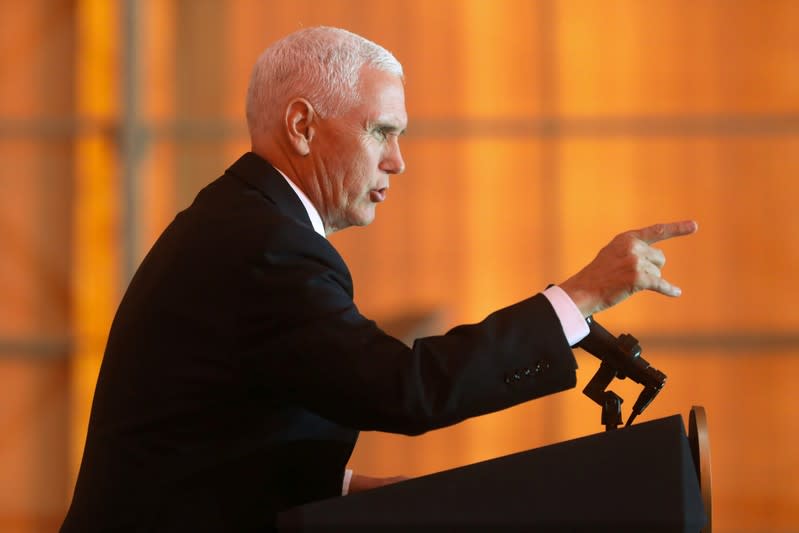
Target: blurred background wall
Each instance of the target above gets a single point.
(539, 129)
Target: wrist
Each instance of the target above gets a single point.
(585, 301)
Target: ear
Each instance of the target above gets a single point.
(300, 123)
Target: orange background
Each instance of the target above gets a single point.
(538, 130)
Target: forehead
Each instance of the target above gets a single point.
(382, 97)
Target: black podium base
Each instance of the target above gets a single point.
(640, 478)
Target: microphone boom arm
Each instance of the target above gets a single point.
(608, 400)
(620, 358)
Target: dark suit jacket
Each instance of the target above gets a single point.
(239, 371)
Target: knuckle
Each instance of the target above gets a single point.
(631, 263)
(623, 237)
(641, 281)
(638, 247)
(656, 257)
(625, 243)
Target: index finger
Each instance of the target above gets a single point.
(660, 232)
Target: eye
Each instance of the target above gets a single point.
(383, 132)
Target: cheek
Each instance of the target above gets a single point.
(362, 172)
(356, 187)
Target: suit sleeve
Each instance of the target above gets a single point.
(305, 341)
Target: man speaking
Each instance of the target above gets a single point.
(239, 371)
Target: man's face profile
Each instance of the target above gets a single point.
(357, 151)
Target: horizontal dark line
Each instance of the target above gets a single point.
(641, 126)
(55, 129)
(38, 348)
(67, 129)
(540, 127)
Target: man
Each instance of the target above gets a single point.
(238, 370)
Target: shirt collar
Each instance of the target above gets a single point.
(313, 214)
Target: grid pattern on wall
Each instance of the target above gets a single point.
(553, 123)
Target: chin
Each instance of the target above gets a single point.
(364, 219)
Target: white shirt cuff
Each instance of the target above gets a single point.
(345, 485)
(571, 319)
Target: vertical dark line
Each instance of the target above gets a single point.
(129, 145)
(201, 75)
(182, 171)
(550, 138)
(464, 242)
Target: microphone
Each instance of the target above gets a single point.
(624, 356)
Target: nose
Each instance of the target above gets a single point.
(392, 162)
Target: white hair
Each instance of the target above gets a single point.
(320, 64)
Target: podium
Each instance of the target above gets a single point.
(641, 478)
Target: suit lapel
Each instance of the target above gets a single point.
(261, 175)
